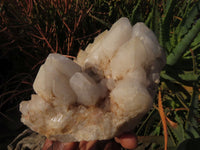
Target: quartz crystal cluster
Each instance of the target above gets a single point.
(101, 94)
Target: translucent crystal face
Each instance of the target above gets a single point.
(101, 94)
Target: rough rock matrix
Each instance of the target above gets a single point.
(101, 94)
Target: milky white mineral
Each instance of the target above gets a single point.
(101, 94)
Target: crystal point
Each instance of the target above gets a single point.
(103, 93)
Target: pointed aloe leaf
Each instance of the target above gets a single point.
(192, 132)
(166, 21)
(186, 78)
(196, 41)
(183, 11)
(195, 45)
(153, 18)
(178, 51)
(189, 20)
(179, 130)
(171, 137)
(179, 18)
(190, 76)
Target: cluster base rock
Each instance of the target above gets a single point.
(103, 93)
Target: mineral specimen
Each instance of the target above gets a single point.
(101, 94)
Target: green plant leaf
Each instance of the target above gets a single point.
(189, 19)
(178, 51)
(178, 132)
(165, 22)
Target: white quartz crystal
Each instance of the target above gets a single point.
(101, 94)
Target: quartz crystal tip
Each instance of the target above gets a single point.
(104, 92)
